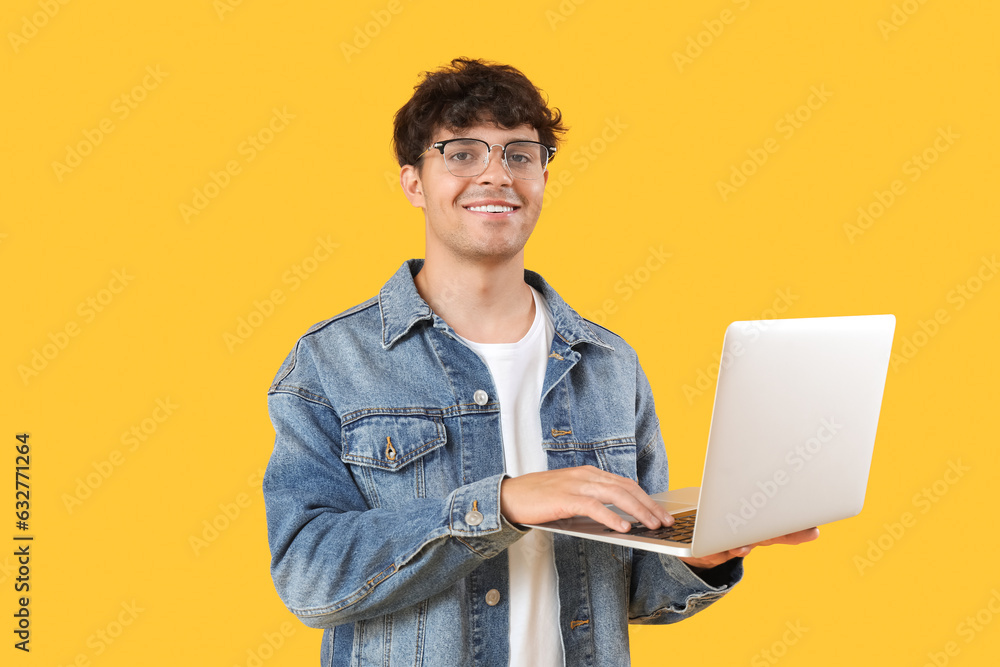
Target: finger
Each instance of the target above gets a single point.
(630, 498)
(797, 537)
(601, 514)
(807, 535)
(664, 517)
(708, 562)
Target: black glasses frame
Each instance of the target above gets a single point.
(439, 145)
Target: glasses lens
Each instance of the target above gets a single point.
(465, 157)
(527, 159)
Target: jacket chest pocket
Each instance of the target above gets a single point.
(615, 455)
(395, 457)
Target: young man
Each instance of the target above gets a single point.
(416, 431)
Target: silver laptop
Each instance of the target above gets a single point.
(790, 444)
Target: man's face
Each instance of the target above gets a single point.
(454, 207)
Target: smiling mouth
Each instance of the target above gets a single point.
(491, 208)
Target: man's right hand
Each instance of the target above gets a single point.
(539, 497)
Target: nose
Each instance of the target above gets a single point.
(496, 171)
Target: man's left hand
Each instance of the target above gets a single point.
(706, 562)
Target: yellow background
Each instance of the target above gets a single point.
(662, 133)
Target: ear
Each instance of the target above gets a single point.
(409, 179)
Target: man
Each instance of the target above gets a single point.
(418, 430)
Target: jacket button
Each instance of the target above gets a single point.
(492, 597)
(480, 397)
(474, 518)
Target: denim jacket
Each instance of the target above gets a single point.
(383, 490)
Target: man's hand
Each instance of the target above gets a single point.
(551, 495)
(706, 562)
(539, 497)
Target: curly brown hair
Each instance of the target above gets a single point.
(466, 93)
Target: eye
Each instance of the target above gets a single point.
(462, 151)
(524, 154)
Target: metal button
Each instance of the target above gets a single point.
(480, 397)
(492, 597)
(474, 518)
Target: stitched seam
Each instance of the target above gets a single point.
(301, 391)
(317, 327)
(291, 367)
(471, 548)
(652, 443)
(370, 585)
(458, 410)
(305, 396)
(416, 412)
(354, 598)
(587, 446)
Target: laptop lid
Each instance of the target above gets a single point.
(791, 439)
(793, 427)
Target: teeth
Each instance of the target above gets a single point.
(491, 208)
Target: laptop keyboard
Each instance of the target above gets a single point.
(681, 531)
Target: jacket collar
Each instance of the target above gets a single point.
(401, 307)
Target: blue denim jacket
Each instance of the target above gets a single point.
(383, 491)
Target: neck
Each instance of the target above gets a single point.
(484, 303)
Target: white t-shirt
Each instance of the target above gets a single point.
(518, 371)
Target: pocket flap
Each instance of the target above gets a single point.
(390, 442)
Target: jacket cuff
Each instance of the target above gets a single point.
(475, 519)
(721, 577)
(702, 589)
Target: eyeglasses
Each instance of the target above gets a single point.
(466, 158)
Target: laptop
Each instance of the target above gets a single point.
(790, 444)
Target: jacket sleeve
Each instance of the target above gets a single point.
(663, 588)
(335, 560)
